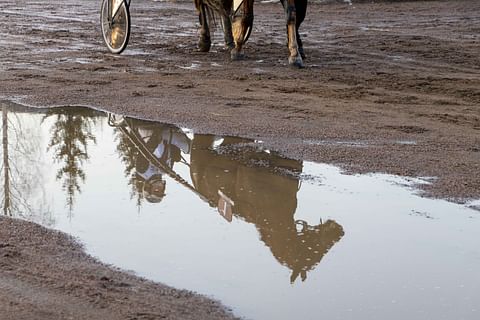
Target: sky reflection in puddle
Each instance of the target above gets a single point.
(273, 238)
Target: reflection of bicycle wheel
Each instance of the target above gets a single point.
(115, 22)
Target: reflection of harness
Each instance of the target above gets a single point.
(126, 127)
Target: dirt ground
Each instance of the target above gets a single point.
(388, 87)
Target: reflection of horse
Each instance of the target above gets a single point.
(264, 198)
(237, 20)
(241, 188)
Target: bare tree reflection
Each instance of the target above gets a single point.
(23, 180)
(71, 133)
(7, 209)
(128, 154)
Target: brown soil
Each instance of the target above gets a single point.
(389, 87)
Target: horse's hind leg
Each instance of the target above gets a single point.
(294, 58)
(242, 23)
(301, 6)
(204, 42)
(227, 32)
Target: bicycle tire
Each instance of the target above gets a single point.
(115, 31)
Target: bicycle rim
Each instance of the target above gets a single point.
(117, 31)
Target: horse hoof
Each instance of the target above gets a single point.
(296, 62)
(204, 46)
(236, 56)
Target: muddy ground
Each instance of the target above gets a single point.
(388, 87)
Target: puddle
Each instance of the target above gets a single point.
(83, 60)
(407, 142)
(353, 144)
(270, 237)
(358, 144)
(374, 29)
(193, 66)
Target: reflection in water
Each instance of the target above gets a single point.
(228, 173)
(71, 133)
(178, 238)
(254, 193)
(22, 188)
(149, 151)
(7, 210)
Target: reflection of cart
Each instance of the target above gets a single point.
(126, 126)
(115, 22)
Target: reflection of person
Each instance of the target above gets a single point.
(163, 142)
(264, 198)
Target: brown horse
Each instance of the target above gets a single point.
(237, 20)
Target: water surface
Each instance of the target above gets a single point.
(272, 238)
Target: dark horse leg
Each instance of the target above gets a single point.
(301, 6)
(205, 42)
(295, 11)
(206, 9)
(227, 32)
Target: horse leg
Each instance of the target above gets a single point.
(240, 28)
(204, 42)
(227, 25)
(301, 6)
(294, 58)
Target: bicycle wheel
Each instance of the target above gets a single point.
(115, 22)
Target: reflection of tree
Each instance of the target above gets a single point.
(6, 167)
(70, 134)
(128, 154)
(22, 190)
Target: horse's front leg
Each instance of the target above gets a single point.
(294, 58)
